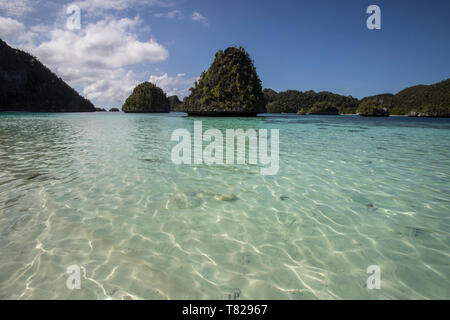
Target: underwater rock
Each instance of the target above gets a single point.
(226, 197)
(184, 201)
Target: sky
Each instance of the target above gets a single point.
(321, 45)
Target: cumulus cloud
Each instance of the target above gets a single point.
(108, 43)
(178, 85)
(9, 26)
(110, 87)
(16, 32)
(196, 16)
(96, 57)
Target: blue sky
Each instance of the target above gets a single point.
(303, 45)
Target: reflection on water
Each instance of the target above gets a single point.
(100, 191)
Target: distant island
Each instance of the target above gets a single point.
(174, 102)
(27, 85)
(421, 100)
(146, 98)
(230, 87)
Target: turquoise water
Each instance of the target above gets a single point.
(100, 191)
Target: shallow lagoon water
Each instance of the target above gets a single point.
(100, 191)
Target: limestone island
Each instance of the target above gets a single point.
(416, 101)
(146, 98)
(174, 103)
(230, 87)
(323, 108)
(27, 85)
(372, 109)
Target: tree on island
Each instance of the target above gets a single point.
(435, 110)
(174, 102)
(231, 86)
(372, 109)
(146, 98)
(324, 108)
(270, 95)
(293, 101)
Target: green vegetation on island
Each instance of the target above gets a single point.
(435, 110)
(293, 101)
(417, 101)
(324, 108)
(114, 110)
(427, 101)
(174, 103)
(230, 87)
(27, 85)
(146, 98)
(422, 101)
(372, 109)
(270, 95)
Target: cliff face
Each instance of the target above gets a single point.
(27, 85)
(174, 102)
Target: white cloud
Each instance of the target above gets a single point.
(96, 57)
(9, 26)
(119, 4)
(15, 31)
(108, 43)
(177, 85)
(97, 60)
(16, 8)
(174, 14)
(196, 16)
(110, 87)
